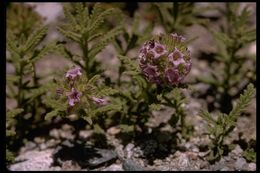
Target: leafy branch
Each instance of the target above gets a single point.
(223, 126)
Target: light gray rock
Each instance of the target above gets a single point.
(33, 161)
(251, 167)
(240, 164)
(114, 167)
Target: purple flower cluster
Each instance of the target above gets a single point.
(165, 60)
(73, 95)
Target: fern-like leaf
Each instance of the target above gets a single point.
(35, 38)
(129, 63)
(102, 43)
(244, 101)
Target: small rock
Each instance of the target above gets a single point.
(69, 165)
(130, 165)
(240, 164)
(43, 146)
(39, 140)
(55, 133)
(183, 162)
(204, 164)
(33, 161)
(28, 146)
(85, 134)
(51, 143)
(114, 167)
(113, 130)
(128, 150)
(225, 169)
(237, 151)
(67, 127)
(251, 167)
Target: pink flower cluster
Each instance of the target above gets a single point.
(165, 60)
(74, 95)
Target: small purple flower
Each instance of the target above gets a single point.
(99, 101)
(73, 96)
(159, 50)
(176, 57)
(151, 73)
(172, 76)
(73, 73)
(178, 38)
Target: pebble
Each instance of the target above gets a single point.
(85, 134)
(39, 140)
(225, 169)
(54, 133)
(114, 167)
(129, 150)
(28, 146)
(251, 167)
(240, 164)
(113, 130)
(237, 151)
(43, 146)
(33, 161)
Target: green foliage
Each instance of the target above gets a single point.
(9, 156)
(25, 35)
(221, 127)
(87, 109)
(86, 29)
(22, 19)
(142, 98)
(175, 16)
(250, 155)
(134, 36)
(229, 65)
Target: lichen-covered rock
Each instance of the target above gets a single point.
(165, 60)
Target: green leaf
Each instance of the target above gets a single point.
(97, 17)
(70, 34)
(136, 23)
(98, 129)
(88, 119)
(47, 49)
(51, 114)
(12, 113)
(12, 47)
(130, 64)
(103, 42)
(12, 78)
(126, 128)
(249, 155)
(244, 101)
(206, 116)
(35, 38)
(108, 91)
(56, 104)
(93, 80)
(113, 107)
(141, 81)
(155, 107)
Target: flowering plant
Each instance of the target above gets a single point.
(165, 60)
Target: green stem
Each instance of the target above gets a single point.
(84, 48)
(20, 83)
